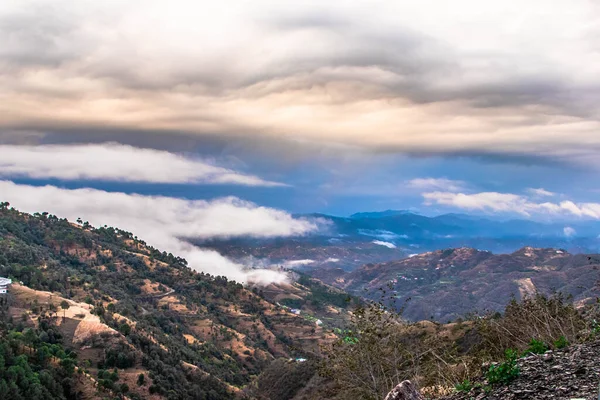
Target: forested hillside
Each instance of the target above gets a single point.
(116, 302)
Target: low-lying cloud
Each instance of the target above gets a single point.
(116, 162)
(389, 245)
(496, 202)
(166, 222)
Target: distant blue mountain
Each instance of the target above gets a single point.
(408, 229)
(379, 214)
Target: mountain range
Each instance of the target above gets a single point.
(366, 237)
(445, 285)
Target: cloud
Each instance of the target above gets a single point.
(381, 234)
(485, 201)
(415, 77)
(441, 184)
(540, 192)
(569, 232)
(512, 203)
(298, 263)
(115, 162)
(166, 222)
(389, 245)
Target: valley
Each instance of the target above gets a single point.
(138, 323)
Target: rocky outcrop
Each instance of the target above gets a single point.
(404, 391)
(571, 373)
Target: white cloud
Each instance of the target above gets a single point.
(540, 192)
(389, 245)
(436, 184)
(569, 232)
(297, 263)
(165, 222)
(115, 162)
(485, 201)
(381, 234)
(511, 203)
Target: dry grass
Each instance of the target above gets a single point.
(90, 324)
(534, 317)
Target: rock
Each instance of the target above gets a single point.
(548, 356)
(404, 391)
(565, 374)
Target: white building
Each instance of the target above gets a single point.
(4, 284)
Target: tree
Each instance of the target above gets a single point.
(65, 306)
(141, 379)
(30, 338)
(125, 329)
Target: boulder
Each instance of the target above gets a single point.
(404, 391)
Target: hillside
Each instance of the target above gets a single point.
(447, 284)
(145, 312)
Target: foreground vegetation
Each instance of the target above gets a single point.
(381, 349)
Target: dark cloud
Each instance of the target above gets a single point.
(290, 78)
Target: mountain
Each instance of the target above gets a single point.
(448, 284)
(137, 321)
(374, 237)
(379, 214)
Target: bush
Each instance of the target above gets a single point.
(464, 386)
(505, 371)
(544, 318)
(380, 350)
(536, 347)
(561, 343)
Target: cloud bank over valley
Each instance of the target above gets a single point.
(166, 222)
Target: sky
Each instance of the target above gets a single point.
(221, 111)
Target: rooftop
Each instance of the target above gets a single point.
(5, 281)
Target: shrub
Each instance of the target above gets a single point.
(536, 347)
(464, 386)
(544, 318)
(505, 371)
(380, 350)
(561, 343)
